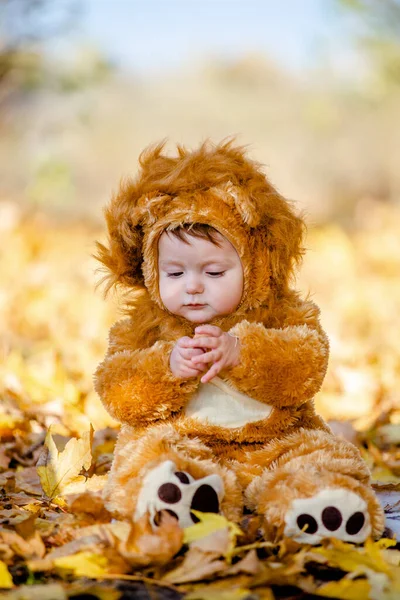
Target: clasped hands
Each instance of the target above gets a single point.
(192, 356)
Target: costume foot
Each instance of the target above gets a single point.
(166, 488)
(333, 512)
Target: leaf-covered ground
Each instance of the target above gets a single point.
(57, 541)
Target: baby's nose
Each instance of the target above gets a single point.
(194, 286)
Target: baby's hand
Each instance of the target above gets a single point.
(180, 359)
(225, 350)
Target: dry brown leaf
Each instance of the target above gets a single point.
(217, 593)
(4, 458)
(196, 566)
(89, 504)
(250, 564)
(144, 546)
(27, 480)
(30, 548)
(48, 591)
(89, 543)
(217, 543)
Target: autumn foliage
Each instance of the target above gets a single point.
(56, 538)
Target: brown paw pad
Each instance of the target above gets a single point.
(355, 523)
(332, 518)
(170, 493)
(183, 478)
(205, 499)
(307, 523)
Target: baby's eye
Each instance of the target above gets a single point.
(175, 274)
(215, 273)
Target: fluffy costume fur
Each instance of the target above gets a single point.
(254, 425)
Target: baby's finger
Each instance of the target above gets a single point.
(198, 368)
(189, 370)
(212, 330)
(189, 352)
(211, 373)
(203, 342)
(208, 357)
(185, 342)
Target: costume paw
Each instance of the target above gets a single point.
(166, 488)
(337, 513)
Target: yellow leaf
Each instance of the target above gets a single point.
(384, 474)
(209, 593)
(352, 559)
(384, 543)
(209, 522)
(83, 564)
(5, 577)
(345, 589)
(57, 470)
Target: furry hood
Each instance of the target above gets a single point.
(216, 185)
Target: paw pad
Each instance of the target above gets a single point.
(332, 518)
(307, 523)
(355, 523)
(183, 478)
(177, 492)
(169, 492)
(337, 512)
(205, 499)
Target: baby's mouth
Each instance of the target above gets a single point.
(195, 305)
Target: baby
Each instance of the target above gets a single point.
(200, 278)
(213, 371)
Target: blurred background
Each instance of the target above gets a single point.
(313, 88)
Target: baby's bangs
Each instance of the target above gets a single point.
(197, 230)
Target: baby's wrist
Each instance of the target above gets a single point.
(235, 337)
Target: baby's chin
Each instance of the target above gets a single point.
(198, 316)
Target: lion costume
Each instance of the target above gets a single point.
(250, 437)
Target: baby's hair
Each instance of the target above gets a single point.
(197, 230)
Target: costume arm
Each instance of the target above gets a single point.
(282, 366)
(135, 384)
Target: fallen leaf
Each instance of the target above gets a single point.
(48, 591)
(209, 523)
(144, 546)
(345, 589)
(250, 564)
(197, 566)
(82, 564)
(217, 543)
(349, 558)
(58, 471)
(4, 459)
(89, 504)
(5, 577)
(28, 549)
(85, 543)
(209, 593)
(27, 480)
(388, 434)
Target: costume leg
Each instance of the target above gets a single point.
(313, 485)
(160, 470)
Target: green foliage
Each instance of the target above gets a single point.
(378, 32)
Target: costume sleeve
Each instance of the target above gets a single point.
(282, 366)
(135, 384)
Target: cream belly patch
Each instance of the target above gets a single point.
(218, 403)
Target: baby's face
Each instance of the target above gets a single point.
(199, 281)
